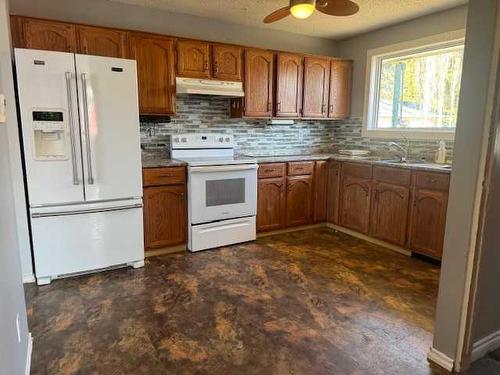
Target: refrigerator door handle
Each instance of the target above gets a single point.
(87, 211)
(74, 163)
(86, 128)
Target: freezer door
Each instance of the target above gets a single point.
(109, 123)
(50, 127)
(79, 238)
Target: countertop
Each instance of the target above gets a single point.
(156, 159)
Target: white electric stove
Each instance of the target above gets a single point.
(222, 190)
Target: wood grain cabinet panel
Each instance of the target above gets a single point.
(297, 168)
(289, 76)
(271, 206)
(259, 83)
(333, 192)
(155, 73)
(299, 200)
(193, 59)
(165, 220)
(268, 170)
(48, 35)
(99, 41)
(227, 62)
(427, 222)
(320, 191)
(389, 212)
(340, 89)
(316, 86)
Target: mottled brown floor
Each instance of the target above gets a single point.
(312, 302)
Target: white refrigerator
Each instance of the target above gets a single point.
(80, 130)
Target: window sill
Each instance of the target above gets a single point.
(424, 135)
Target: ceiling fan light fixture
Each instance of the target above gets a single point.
(302, 8)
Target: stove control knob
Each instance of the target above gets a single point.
(221, 139)
(228, 139)
(183, 140)
(176, 140)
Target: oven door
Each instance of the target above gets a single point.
(222, 192)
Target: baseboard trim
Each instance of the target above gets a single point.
(28, 354)
(440, 359)
(289, 230)
(165, 251)
(485, 345)
(28, 279)
(389, 246)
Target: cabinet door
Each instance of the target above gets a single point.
(271, 204)
(227, 62)
(155, 73)
(48, 35)
(193, 59)
(289, 70)
(320, 190)
(389, 212)
(259, 72)
(333, 192)
(299, 200)
(99, 41)
(316, 84)
(165, 222)
(427, 222)
(340, 89)
(355, 203)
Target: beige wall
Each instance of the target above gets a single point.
(356, 48)
(107, 13)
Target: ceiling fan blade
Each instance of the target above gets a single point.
(277, 15)
(337, 7)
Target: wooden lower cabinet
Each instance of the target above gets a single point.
(355, 204)
(299, 200)
(427, 222)
(165, 219)
(389, 212)
(271, 207)
(333, 192)
(320, 191)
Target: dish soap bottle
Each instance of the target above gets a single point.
(441, 153)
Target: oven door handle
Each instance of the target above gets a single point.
(224, 168)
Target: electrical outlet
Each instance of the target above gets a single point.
(18, 328)
(3, 106)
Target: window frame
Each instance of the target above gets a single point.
(372, 84)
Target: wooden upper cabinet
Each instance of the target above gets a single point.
(316, 85)
(47, 35)
(299, 200)
(340, 89)
(155, 73)
(320, 191)
(227, 62)
(259, 75)
(101, 41)
(271, 204)
(193, 59)
(333, 192)
(289, 68)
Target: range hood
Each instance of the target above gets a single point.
(209, 87)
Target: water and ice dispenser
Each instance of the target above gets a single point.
(50, 135)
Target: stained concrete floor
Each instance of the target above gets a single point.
(311, 302)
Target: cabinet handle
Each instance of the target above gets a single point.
(268, 170)
(433, 180)
(331, 107)
(216, 67)
(206, 65)
(269, 106)
(323, 108)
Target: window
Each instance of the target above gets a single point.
(414, 91)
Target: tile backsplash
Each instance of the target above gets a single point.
(210, 114)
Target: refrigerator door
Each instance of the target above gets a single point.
(86, 237)
(109, 123)
(50, 126)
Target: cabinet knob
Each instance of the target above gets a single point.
(206, 65)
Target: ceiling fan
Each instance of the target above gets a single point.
(304, 8)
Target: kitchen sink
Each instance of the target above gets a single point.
(403, 162)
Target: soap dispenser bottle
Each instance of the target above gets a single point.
(441, 153)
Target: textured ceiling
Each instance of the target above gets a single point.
(373, 14)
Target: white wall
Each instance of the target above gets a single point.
(113, 14)
(356, 48)
(13, 354)
(468, 171)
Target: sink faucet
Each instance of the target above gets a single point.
(405, 150)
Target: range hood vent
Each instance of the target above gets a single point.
(209, 87)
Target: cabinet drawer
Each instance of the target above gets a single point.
(357, 170)
(397, 176)
(163, 176)
(272, 170)
(432, 180)
(298, 168)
